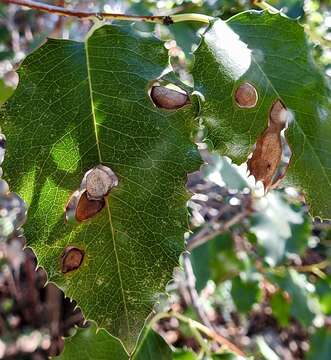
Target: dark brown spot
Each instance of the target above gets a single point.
(166, 98)
(86, 208)
(71, 259)
(167, 20)
(246, 96)
(2, 141)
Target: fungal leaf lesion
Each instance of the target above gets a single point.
(71, 259)
(169, 98)
(268, 151)
(90, 198)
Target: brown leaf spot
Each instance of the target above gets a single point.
(278, 115)
(166, 98)
(71, 259)
(268, 151)
(99, 181)
(87, 208)
(246, 96)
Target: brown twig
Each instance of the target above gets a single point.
(165, 20)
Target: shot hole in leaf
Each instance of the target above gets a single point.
(71, 259)
(246, 96)
(169, 97)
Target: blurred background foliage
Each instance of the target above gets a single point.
(259, 271)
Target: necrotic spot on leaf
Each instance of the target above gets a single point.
(90, 198)
(86, 208)
(98, 182)
(246, 96)
(80, 208)
(71, 259)
(268, 151)
(170, 99)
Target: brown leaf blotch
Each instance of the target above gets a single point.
(266, 157)
(169, 99)
(246, 96)
(86, 208)
(71, 259)
(268, 151)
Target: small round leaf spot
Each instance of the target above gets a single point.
(246, 96)
(71, 259)
(167, 98)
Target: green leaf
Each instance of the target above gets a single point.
(245, 293)
(222, 171)
(90, 344)
(152, 346)
(216, 260)
(280, 308)
(320, 345)
(281, 228)
(79, 105)
(271, 52)
(323, 290)
(184, 355)
(302, 304)
(5, 91)
(225, 356)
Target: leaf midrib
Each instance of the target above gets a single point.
(95, 125)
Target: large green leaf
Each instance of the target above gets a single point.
(320, 347)
(90, 344)
(79, 105)
(269, 51)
